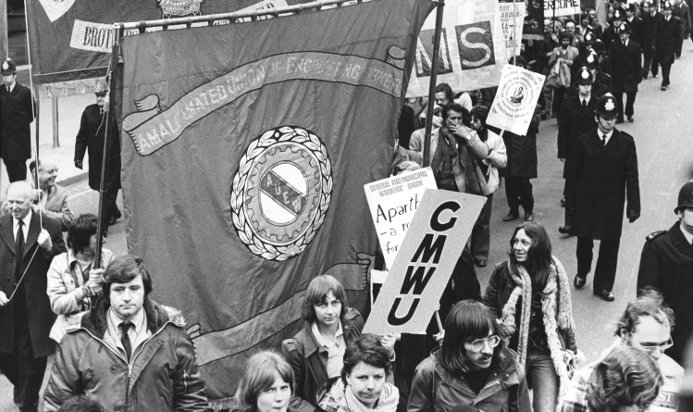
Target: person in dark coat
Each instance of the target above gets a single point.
(650, 20)
(91, 138)
(576, 118)
(17, 111)
(521, 167)
(683, 13)
(611, 33)
(635, 24)
(666, 264)
(666, 40)
(625, 57)
(26, 320)
(601, 172)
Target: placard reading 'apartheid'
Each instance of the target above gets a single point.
(392, 202)
(440, 229)
(517, 96)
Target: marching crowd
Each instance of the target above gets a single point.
(511, 348)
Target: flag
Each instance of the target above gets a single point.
(71, 40)
(472, 48)
(245, 148)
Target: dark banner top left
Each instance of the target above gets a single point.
(72, 39)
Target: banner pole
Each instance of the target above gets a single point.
(432, 84)
(111, 81)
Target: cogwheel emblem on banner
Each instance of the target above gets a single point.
(281, 192)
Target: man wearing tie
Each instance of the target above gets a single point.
(90, 138)
(601, 172)
(576, 118)
(129, 352)
(17, 111)
(627, 71)
(667, 38)
(26, 251)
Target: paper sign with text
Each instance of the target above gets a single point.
(563, 8)
(392, 203)
(512, 17)
(440, 229)
(517, 96)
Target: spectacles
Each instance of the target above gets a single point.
(651, 346)
(479, 344)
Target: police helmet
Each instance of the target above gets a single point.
(606, 106)
(8, 67)
(685, 197)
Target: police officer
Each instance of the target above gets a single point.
(666, 263)
(625, 59)
(667, 37)
(601, 173)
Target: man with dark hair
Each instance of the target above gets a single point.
(17, 111)
(52, 196)
(81, 404)
(601, 171)
(90, 138)
(666, 264)
(444, 95)
(26, 251)
(129, 352)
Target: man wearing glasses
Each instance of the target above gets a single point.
(53, 197)
(666, 264)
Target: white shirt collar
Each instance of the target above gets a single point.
(26, 220)
(687, 235)
(608, 135)
(318, 336)
(138, 321)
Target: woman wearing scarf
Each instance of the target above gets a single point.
(530, 293)
(363, 386)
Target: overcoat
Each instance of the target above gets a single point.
(668, 35)
(626, 65)
(522, 152)
(39, 313)
(666, 263)
(90, 138)
(598, 182)
(574, 120)
(649, 30)
(16, 114)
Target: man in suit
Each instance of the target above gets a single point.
(17, 111)
(91, 137)
(666, 40)
(601, 172)
(26, 252)
(650, 19)
(576, 118)
(53, 197)
(625, 60)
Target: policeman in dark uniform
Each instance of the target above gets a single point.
(625, 57)
(667, 264)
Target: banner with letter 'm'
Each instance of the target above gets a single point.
(245, 150)
(472, 48)
(433, 244)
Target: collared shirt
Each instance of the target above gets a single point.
(625, 43)
(25, 228)
(687, 235)
(138, 333)
(335, 349)
(10, 88)
(608, 136)
(585, 101)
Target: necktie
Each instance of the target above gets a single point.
(584, 104)
(124, 338)
(19, 247)
(8, 89)
(603, 140)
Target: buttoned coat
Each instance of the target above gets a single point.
(666, 263)
(573, 121)
(626, 65)
(90, 138)
(598, 182)
(39, 313)
(16, 114)
(668, 35)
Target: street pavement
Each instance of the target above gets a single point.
(662, 132)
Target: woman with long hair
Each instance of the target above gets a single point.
(473, 370)
(267, 384)
(363, 385)
(530, 293)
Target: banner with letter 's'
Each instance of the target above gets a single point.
(472, 48)
(245, 148)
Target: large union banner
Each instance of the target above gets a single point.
(245, 148)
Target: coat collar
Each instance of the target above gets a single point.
(679, 239)
(95, 322)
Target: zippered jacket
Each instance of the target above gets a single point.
(162, 374)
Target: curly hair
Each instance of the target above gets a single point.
(627, 376)
(649, 303)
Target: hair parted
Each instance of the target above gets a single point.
(369, 350)
(467, 321)
(649, 303)
(627, 376)
(80, 232)
(261, 372)
(123, 269)
(539, 257)
(317, 291)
